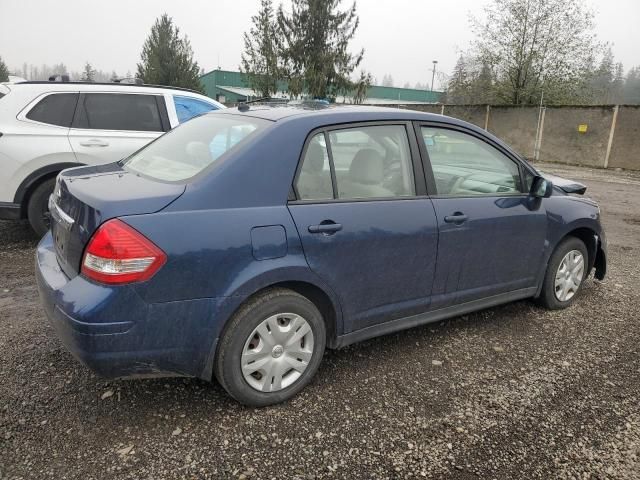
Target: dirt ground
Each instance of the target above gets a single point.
(520, 392)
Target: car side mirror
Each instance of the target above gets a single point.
(541, 188)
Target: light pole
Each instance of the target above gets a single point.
(433, 75)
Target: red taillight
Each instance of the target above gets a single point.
(118, 253)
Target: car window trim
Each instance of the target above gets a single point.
(430, 177)
(80, 103)
(416, 163)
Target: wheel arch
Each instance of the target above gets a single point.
(591, 238)
(306, 285)
(34, 179)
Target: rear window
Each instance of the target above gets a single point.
(55, 109)
(119, 111)
(192, 147)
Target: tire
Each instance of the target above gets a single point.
(38, 207)
(296, 336)
(552, 294)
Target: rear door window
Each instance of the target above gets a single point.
(55, 109)
(187, 107)
(118, 111)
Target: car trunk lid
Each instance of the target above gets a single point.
(85, 197)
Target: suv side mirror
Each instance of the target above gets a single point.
(541, 188)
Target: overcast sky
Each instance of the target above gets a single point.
(400, 37)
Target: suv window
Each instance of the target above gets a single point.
(187, 107)
(119, 111)
(372, 162)
(55, 109)
(465, 165)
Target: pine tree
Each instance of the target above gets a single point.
(167, 59)
(4, 71)
(458, 88)
(315, 40)
(89, 73)
(261, 57)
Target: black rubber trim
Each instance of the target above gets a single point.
(10, 211)
(429, 317)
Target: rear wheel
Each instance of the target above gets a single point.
(38, 207)
(565, 274)
(271, 348)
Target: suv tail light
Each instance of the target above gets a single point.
(118, 253)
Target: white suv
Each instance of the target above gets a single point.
(46, 127)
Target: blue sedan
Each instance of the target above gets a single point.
(243, 243)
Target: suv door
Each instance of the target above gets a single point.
(110, 126)
(366, 225)
(492, 233)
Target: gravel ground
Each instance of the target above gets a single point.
(510, 392)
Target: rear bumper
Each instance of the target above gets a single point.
(10, 211)
(116, 333)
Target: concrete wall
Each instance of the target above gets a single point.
(560, 139)
(516, 126)
(563, 143)
(625, 148)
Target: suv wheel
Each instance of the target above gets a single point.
(271, 348)
(38, 207)
(565, 274)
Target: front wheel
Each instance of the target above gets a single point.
(565, 274)
(271, 348)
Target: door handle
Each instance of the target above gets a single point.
(94, 142)
(326, 228)
(458, 218)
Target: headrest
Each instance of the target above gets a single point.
(367, 167)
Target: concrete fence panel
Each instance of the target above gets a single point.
(576, 135)
(516, 126)
(625, 147)
(475, 114)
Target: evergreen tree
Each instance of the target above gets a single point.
(315, 40)
(167, 59)
(458, 89)
(261, 57)
(361, 88)
(89, 73)
(387, 80)
(4, 71)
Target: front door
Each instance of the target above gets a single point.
(492, 233)
(363, 228)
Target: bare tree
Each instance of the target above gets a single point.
(536, 45)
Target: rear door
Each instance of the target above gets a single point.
(492, 233)
(366, 225)
(108, 127)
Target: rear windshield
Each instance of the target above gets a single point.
(192, 147)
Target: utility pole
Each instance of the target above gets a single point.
(433, 75)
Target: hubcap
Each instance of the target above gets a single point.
(569, 275)
(277, 352)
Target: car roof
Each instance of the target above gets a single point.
(46, 86)
(336, 114)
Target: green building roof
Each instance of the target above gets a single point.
(232, 87)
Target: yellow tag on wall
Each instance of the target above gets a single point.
(582, 128)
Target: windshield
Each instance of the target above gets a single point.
(192, 147)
